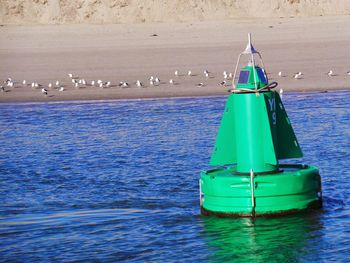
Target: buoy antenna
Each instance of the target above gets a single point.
(250, 49)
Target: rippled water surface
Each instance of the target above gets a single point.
(118, 181)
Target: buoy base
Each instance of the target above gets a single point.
(225, 193)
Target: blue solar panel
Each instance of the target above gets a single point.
(261, 75)
(243, 77)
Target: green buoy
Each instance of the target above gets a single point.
(254, 134)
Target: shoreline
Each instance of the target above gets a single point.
(129, 99)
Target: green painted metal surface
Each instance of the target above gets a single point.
(254, 133)
(291, 190)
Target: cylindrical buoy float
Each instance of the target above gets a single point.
(254, 134)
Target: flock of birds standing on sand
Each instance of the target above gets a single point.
(153, 81)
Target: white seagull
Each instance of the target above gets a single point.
(61, 89)
(280, 74)
(225, 75)
(24, 82)
(125, 85)
(281, 93)
(297, 75)
(171, 81)
(57, 83)
(176, 73)
(44, 91)
(200, 85)
(70, 75)
(223, 83)
(139, 84)
(330, 73)
(189, 73)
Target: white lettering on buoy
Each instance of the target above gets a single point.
(272, 103)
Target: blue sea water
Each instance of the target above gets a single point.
(117, 181)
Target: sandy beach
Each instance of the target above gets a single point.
(130, 52)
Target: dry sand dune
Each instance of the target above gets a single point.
(139, 11)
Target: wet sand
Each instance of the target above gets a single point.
(117, 53)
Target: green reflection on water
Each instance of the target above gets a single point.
(284, 239)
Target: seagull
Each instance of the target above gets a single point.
(230, 75)
(99, 81)
(200, 85)
(139, 84)
(76, 85)
(151, 82)
(171, 81)
(297, 75)
(70, 75)
(176, 73)
(280, 74)
(281, 93)
(189, 73)
(206, 75)
(157, 80)
(8, 81)
(36, 85)
(33, 85)
(49, 86)
(225, 74)
(61, 89)
(151, 78)
(57, 83)
(93, 83)
(223, 83)
(330, 73)
(108, 83)
(44, 91)
(125, 85)
(100, 85)
(24, 82)
(83, 82)
(348, 72)
(2, 88)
